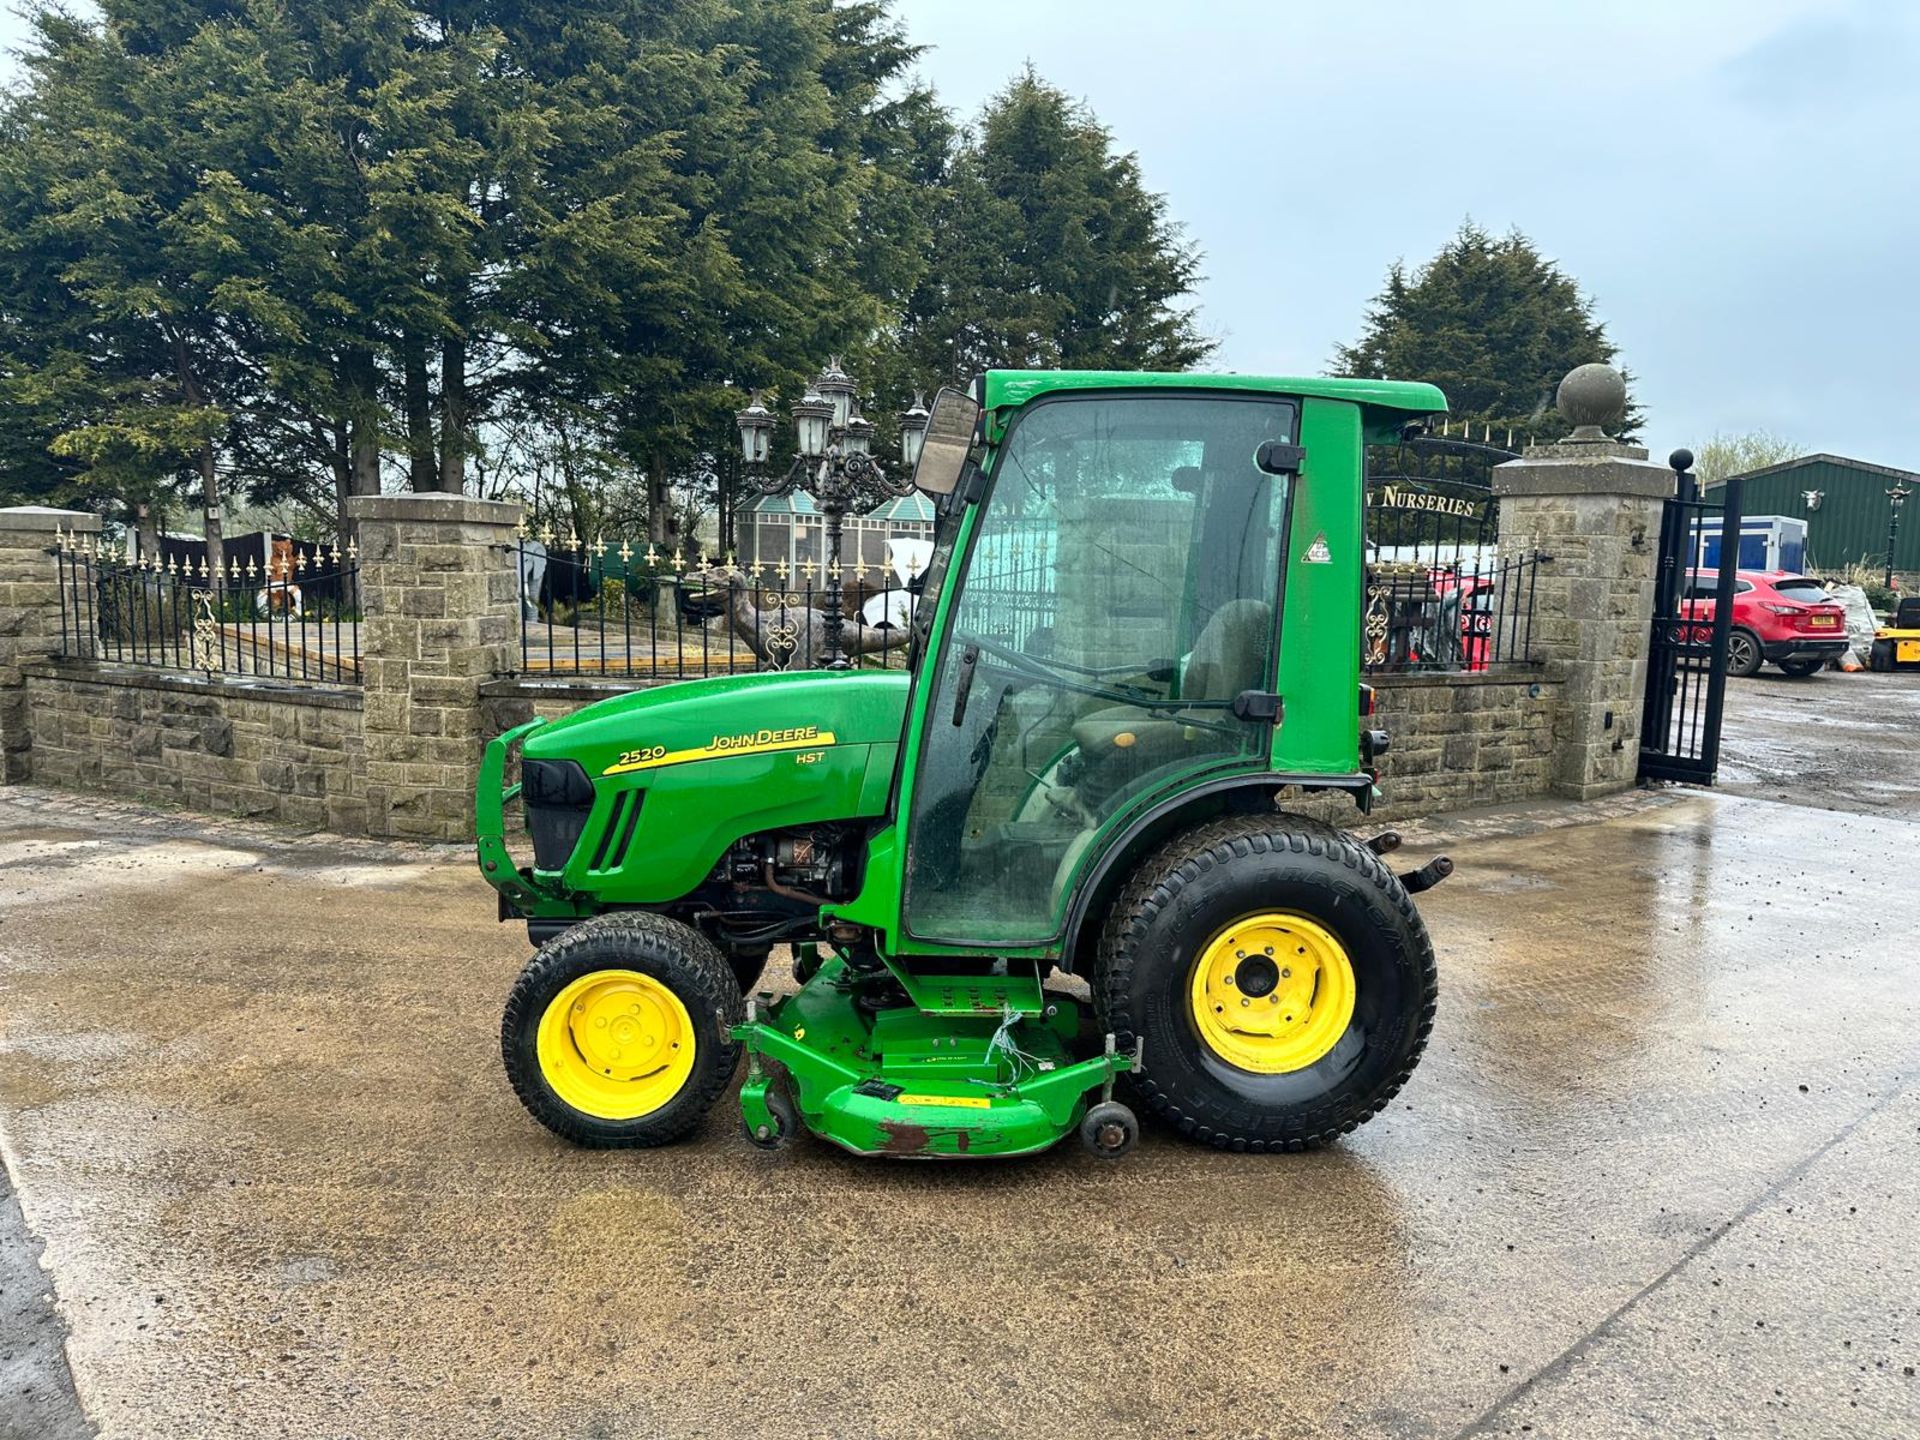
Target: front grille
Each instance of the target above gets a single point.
(558, 797)
(618, 834)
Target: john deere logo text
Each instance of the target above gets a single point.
(764, 737)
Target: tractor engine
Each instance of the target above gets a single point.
(810, 865)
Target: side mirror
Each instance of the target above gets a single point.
(943, 455)
(1277, 457)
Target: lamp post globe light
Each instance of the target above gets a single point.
(835, 465)
(913, 433)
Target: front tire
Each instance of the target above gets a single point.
(617, 1034)
(1880, 656)
(1280, 976)
(1744, 655)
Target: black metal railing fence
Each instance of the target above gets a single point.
(295, 619)
(1440, 594)
(635, 611)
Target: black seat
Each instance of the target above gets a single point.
(1906, 615)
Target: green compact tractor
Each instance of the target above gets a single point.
(1139, 636)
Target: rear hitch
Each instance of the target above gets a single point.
(1428, 875)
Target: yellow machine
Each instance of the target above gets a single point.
(1896, 646)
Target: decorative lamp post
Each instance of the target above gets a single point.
(859, 430)
(836, 386)
(835, 465)
(1896, 497)
(913, 433)
(812, 423)
(756, 424)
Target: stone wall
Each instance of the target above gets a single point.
(438, 600)
(1594, 507)
(1463, 740)
(283, 753)
(30, 611)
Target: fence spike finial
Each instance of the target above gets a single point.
(626, 552)
(353, 551)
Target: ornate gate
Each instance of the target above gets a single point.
(1687, 656)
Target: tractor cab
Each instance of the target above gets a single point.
(1126, 562)
(1139, 631)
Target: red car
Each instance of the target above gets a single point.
(1777, 616)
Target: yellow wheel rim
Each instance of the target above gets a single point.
(616, 1044)
(1273, 992)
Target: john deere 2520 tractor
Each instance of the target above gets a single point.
(1140, 636)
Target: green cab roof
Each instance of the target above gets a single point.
(1398, 397)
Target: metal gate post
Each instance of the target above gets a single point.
(1730, 517)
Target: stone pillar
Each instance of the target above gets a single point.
(30, 614)
(1594, 505)
(438, 606)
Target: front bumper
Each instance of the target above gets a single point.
(520, 895)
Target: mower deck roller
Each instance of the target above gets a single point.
(1138, 638)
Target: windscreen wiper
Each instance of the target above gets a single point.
(969, 662)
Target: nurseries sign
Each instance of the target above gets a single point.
(1398, 497)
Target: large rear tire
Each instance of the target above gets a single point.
(1280, 977)
(617, 1034)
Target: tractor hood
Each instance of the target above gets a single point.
(728, 716)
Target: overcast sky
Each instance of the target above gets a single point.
(1736, 183)
(1733, 182)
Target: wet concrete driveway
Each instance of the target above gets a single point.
(1656, 1177)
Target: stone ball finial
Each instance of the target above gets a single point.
(1592, 397)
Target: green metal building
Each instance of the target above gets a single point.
(1846, 507)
